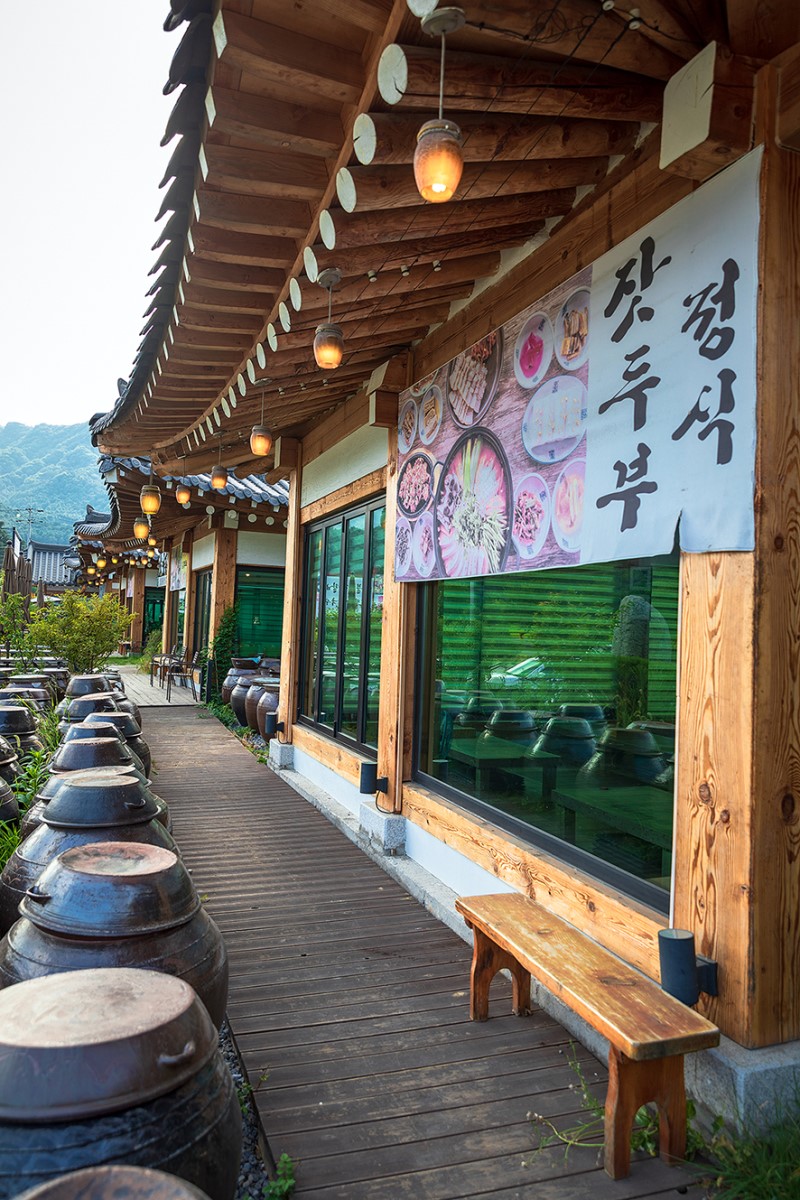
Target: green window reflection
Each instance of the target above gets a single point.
(313, 604)
(331, 600)
(549, 697)
(374, 625)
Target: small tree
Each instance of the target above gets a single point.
(14, 630)
(83, 630)
(222, 650)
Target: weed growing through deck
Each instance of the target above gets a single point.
(588, 1131)
(284, 1183)
(758, 1166)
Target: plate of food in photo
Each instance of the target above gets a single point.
(472, 512)
(555, 419)
(415, 485)
(572, 331)
(472, 379)
(431, 408)
(531, 519)
(423, 548)
(421, 386)
(402, 547)
(533, 350)
(568, 494)
(407, 426)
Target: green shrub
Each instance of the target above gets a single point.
(83, 630)
(152, 647)
(222, 650)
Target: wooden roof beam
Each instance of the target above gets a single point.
(263, 173)
(384, 139)
(578, 29)
(236, 276)
(221, 322)
(272, 123)
(394, 187)
(425, 250)
(378, 227)
(241, 249)
(278, 56)
(253, 214)
(393, 284)
(408, 76)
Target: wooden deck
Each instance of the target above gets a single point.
(349, 1004)
(138, 689)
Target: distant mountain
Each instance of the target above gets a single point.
(48, 467)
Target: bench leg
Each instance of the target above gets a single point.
(487, 960)
(632, 1084)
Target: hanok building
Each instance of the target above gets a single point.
(542, 542)
(47, 566)
(205, 549)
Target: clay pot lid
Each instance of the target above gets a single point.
(568, 727)
(115, 1183)
(91, 752)
(100, 799)
(79, 731)
(16, 718)
(77, 1044)
(111, 889)
(511, 718)
(630, 741)
(124, 721)
(80, 706)
(25, 692)
(7, 751)
(31, 680)
(589, 712)
(84, 685)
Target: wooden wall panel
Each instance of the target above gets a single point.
(626, 927)
(187, 633)
(223, 578)
(137, 607)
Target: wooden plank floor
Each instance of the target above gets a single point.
(138, 689)
(349, 1004)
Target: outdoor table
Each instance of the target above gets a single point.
(513, 758)
(642, 811)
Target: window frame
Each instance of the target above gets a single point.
(604, 872)
(323, 525)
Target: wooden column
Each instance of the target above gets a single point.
(293, 579)
(137, 607)
(398, 604)
(223, 577)
(186, 633)
(737, 879)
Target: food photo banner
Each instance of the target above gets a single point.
(618, 407)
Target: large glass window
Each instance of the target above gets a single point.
(177, 614)
(342, 612)
(547, 702)
(259, 611)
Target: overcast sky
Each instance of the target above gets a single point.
(81, 90)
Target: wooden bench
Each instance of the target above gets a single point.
(649, 1031)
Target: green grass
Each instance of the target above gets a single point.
(9, 840)
(758, 1166)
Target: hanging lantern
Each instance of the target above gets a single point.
(261, 436)
(329, 339)
(114, 559)
(150, 498)
(438, 159)
(100, 562)
(151, 552)
(91, 570)
(141, 528)
(151, 539)
(219, 477)
(183, 493)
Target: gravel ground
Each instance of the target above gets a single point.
(253, 1177)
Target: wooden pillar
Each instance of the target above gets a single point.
(186, 633)
(169, 601)
(223, 576)
(394, 725)
(137, 607)
(293, 579)
(737, 868)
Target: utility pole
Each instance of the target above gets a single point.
(30, 511)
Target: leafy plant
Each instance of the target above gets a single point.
(48, 730)
(222, 649)
(284, 1183)
(223, 713)
(9, 840)
(83, 630)
(14, 628)
(152, 647)
(32, 777)
(758, 1165)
